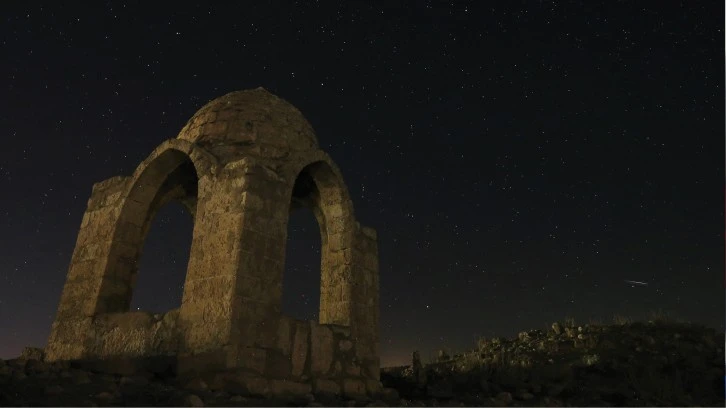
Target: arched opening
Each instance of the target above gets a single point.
(302, 274)
(301, 277)
(170, 178)
(318, 263)
(163, 266)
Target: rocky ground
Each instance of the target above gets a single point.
(652, 363)
(627, 364)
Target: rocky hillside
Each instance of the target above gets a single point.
(654, 363)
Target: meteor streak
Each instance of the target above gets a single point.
(633, 282)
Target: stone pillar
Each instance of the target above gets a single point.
(206, 313)
(80, 299)
(232, 296)
(260, 266)
(365, 300)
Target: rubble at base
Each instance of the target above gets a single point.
(654, 363)
(32, 382)
(633, 364)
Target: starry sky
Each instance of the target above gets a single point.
(521, 161)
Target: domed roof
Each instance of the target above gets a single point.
(250, 117)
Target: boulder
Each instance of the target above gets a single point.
(134, 381)
(374, 388)
(192, 400)
(32, 353)
(105, 396)
(354, 388)
(524, 395)
(196, 385)
(505, 397)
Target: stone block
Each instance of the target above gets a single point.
(370, 262)
(67, 336)
(340, 330)
(261, 332)
(325, 387)
(115, 183)
(203, 362)
(286, 388)
(126, 321)
(253, 385)
(284, 335)
(277, 365)
(196, 385)
(80, 271)
(371, 369)
(299, 353)
(33, 353)
(321, 348)
(374, 388)
(261, 290)
(275, 249)
(254, 359)
(370, 233)
(214, 128)
(252, 201)
(218, 381)
(354, 388)
(352, 369)
(336, 370)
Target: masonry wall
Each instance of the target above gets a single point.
(365, 297)
(306, 357)
(134, 334)
(80, 301)
(230, 319)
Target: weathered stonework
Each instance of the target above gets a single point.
(239, 165)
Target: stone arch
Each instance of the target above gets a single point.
(246, 158)
(171, 172)
(318, 185)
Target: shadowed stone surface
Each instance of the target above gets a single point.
(239, 166)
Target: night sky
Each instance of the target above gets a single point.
(521, 162)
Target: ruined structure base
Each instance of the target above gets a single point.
(237, 381)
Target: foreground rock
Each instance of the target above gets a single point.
(26, 382)
(634, 364)
(631, 364)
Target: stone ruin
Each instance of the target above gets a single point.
(240, 165)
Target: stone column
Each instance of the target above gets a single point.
(232, 296)
(206, 314)
(260, 267)
(80, 299)
(365, 300)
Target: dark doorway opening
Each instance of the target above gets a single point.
(163, 265)
(301, 280)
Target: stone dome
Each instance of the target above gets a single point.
(252, 117)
